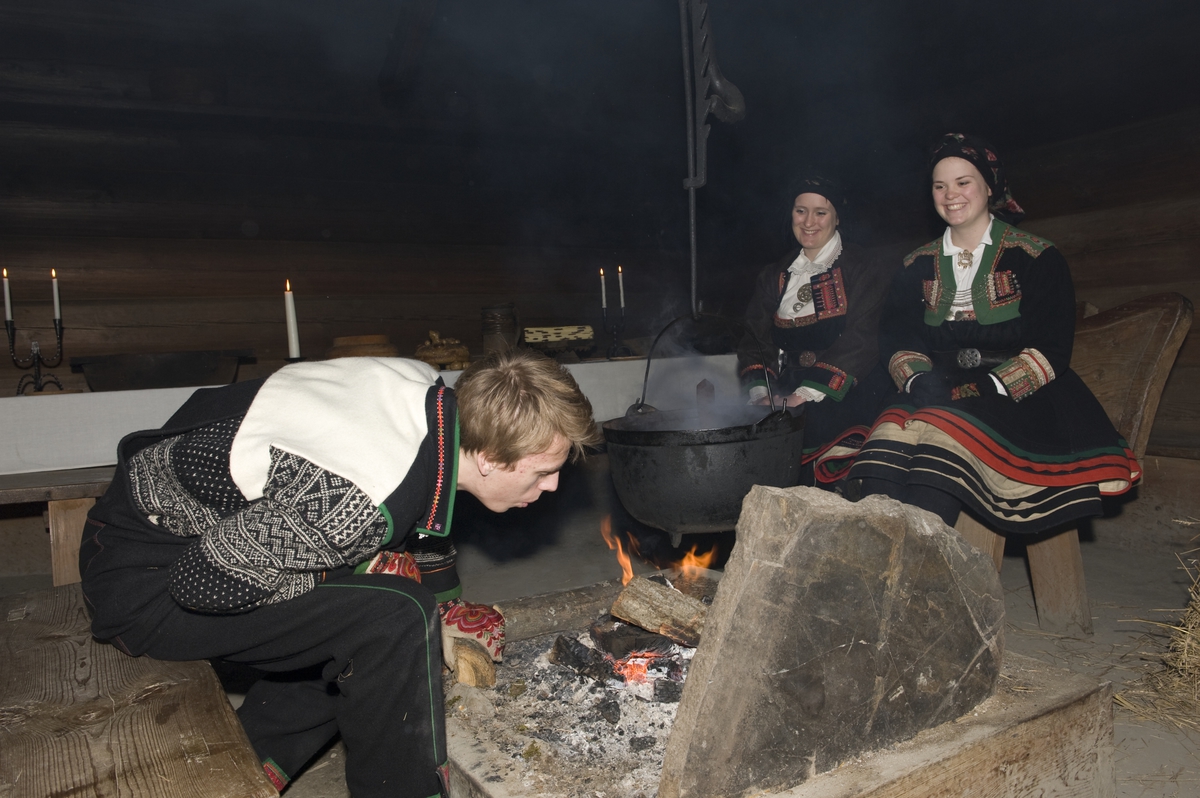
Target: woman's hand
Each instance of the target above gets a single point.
(792, 400)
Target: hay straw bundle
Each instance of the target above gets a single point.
(1172, 694)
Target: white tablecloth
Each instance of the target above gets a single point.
(81, 430)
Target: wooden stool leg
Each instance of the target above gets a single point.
(1059, 590)
(981, 538)
(67, 517)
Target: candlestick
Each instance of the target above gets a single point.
(603, 293)
(621, 285)
(7, 299)
(54, 287)
(35, 359)
(293, 332)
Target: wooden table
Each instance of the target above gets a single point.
(69, 494)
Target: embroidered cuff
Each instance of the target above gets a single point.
(755, 376)
(829, 380)
(757, 392)
(906, 364)
(1024, 374)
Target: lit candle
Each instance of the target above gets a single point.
(621, 285)
(293, 332)
(54, 285)
(603, 292)
(7, 299)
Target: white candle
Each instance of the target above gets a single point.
(621, 285)
(54, 286)
(603, 292)
(7, 299)
(293, 332)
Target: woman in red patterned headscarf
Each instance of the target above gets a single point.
(977, 335)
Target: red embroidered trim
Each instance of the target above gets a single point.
(395, 563)
(1032, 245)
(829, 299)
(933, 294)
(1003, 289)
(441, 473)
(932, 248)
(485, 624)
(756, 367)
(275, 774)
(829, 294)
(839, 378)
(903, 365)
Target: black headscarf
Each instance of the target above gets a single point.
(823, 186)
(983, 157)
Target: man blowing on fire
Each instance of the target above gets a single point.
(299, 525)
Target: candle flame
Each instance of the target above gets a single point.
(602, 272)
(287, 285)
(53, 275)
(6, 274)
(618, 269)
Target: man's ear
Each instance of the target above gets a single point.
(484, 465)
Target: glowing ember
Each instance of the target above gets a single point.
(634, 669)
(614, 543)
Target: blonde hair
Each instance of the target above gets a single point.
(514, 404)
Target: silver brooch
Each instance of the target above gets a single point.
(803, 297)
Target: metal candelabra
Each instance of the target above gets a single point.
(35, 360)
(616, 348)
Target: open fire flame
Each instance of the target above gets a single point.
(614, 543)
(692, 563)
(689, 567)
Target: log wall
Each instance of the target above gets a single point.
(1124, 208)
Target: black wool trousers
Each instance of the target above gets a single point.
(360, 655)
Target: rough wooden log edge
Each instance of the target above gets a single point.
(471, 663)
(661, 609)
(561, 611)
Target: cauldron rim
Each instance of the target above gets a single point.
(620, 431)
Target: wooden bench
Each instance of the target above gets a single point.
(1124, 355)
(79, 718)
(68, 494)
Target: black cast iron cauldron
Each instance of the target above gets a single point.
(677, 471)
(687, 471)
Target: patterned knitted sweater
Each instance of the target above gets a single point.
(331, 462)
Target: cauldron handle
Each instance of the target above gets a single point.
(762, 355)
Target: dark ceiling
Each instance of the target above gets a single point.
(557, 122)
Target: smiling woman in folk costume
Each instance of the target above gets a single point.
(977, 334)
(814, 320)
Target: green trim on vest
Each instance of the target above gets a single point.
(383, 510)
(932, 248)
(981, 303)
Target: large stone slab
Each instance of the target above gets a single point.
(838, 628)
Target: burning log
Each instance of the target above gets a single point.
(585, 661)
(620, 639)
(658, 608)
